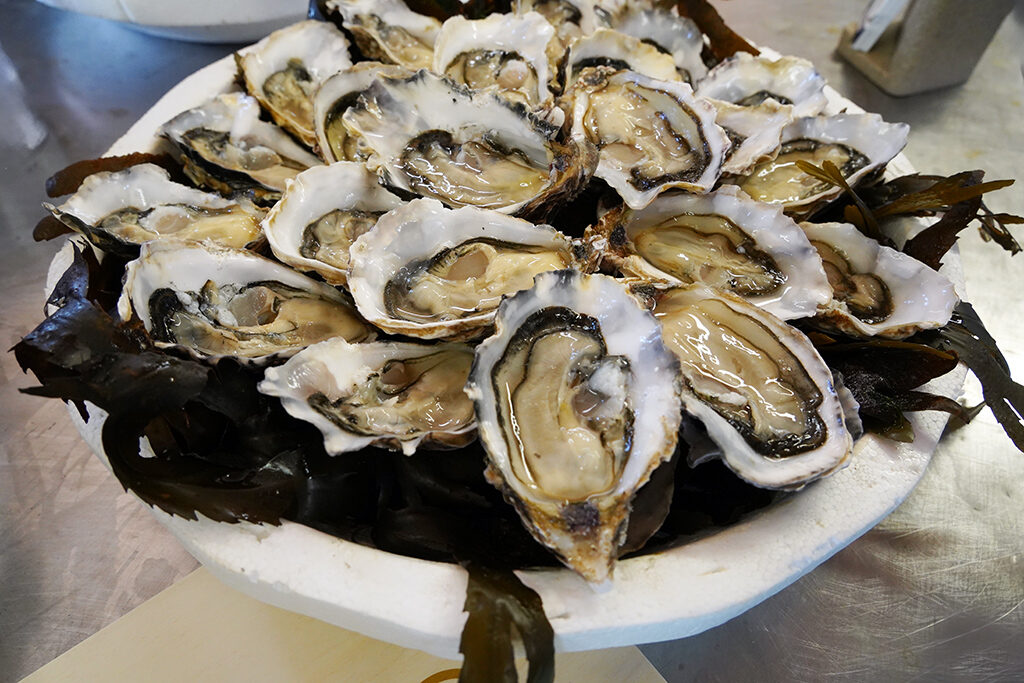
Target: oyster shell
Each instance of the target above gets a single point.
(858, 144)
(577, 403)
(749, 80)
(120, 210)
(323, 211)
(387, 30)
(665, 30)
(758, 385)
(430, 272)
(571, 18)
(505, 53)
(284, 70)
(652, 135)
(225, 146)
(434, 138)
(395, 394)
(877, 291)
(722, 239)
(755, 132)
(215, 302)
(608, 48)
(334, 97)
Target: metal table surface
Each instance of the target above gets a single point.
(935, 592)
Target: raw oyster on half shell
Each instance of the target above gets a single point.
(668, 32)
(400, 395)
(577, 403)
(120, 210)
(215, 302)
(431, 272)
(618, 51)
(388, 31)
(877, 290)
(284, 70)
(749, 80)
(323, 211)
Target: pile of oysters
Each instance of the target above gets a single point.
(373, 234)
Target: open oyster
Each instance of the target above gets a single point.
(334, 97)
(577, 403)
(118, 211)
(396, 394)
(432, 272)
(652, 135)
(434, 138)
(877, 291)
(505, 53)
(609, 48)
(322, 213)
(666, 31)
(749, 80)
(216, 302)
(225, 146)
(571, 18)
(387, 30)
(284, 70)
(758, 385)
(722, 239)
(755, 132)
(858, 144)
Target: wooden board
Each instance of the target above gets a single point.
(201, 630)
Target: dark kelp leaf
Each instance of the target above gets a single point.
(498, 602)
(652, 503)
(724, 42)
(69, 179)
(48, 228)
(859, 214)
(993, 227)
(966, 336)
(944, 193)
(883, 376)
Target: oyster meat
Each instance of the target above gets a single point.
(387, 30)
(395, 394)
(215, 302)
(618, 51)
(577, 403)
(749, 80)
(432, 272)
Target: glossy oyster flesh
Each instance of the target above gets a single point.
(618, 51)
(577, 404)
(118, 211)
(877, 290)
(722, 239)
(284, 70)
(433, 138)
(395, 394)
(225, 146)
(323, 211)
(758, 385)
(652, 135)
(387, 30)
(505, 53)
(858, 145)
(216, 302)
(432, 272)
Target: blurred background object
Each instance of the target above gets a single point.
(936, 43)
(22, 129)
(200, 21)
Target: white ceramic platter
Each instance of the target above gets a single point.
(673, 594)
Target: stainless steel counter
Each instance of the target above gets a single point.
(934, 593)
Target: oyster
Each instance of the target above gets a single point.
(758, 385)
(505, 53)
(225, 146)
(387, 30)
(577, 403)
(858, 144)
(749, 80)
(722, 239)
(617, 51)
(284, 70)
(665, 30)
(434, 138)
(333, 99)
(571, 18)
(877, 291)
(755, 132)
(215, 302)
(652, 135)
(395, 394)
(322, 213)
(431, 272)
(118, 211)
